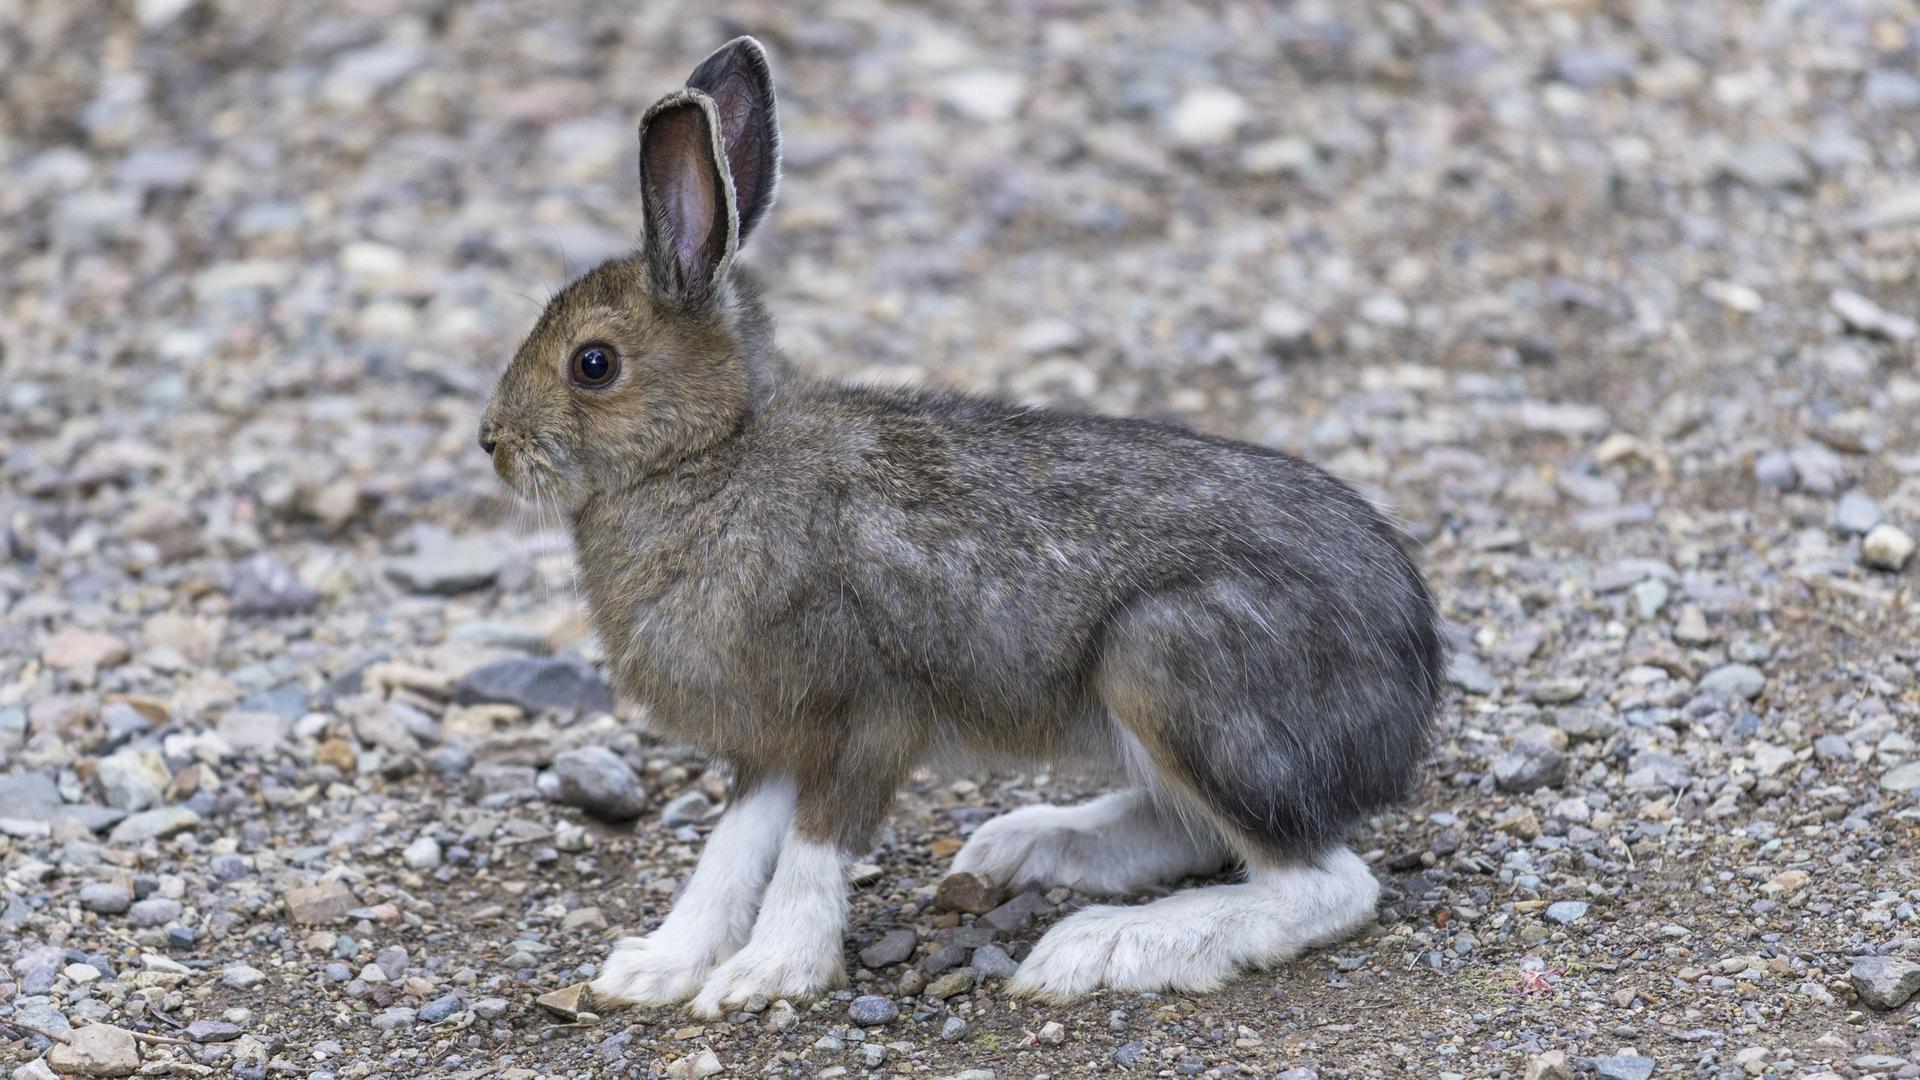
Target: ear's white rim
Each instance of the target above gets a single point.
(764, 63)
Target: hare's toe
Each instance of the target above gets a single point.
(649, 971)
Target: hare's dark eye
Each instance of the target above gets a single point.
(593, 365)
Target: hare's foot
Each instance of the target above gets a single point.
(1118, 843)
(795, 950)
(651, 970)
(715, 912)
(1194, 941)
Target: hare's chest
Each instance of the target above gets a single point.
(676, 629)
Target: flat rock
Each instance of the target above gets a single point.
(1623, 1067)
(566, 1002)
(96, 1050)
(313, 905)
(598, 781)
(967, 893)
(76, 648)
(154, 825)
(872, 1010)
(133, 779)
(1884, 982)
(893, 947)
(537, 684)
(213, 1031)
(461, 564)
(1733, 682)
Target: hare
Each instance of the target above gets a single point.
(828, 586)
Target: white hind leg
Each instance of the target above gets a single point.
(1195, 940)
(1118, 843)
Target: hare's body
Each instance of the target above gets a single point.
(863, 578)
(826, 587)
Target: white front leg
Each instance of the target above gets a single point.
(715, 913)
(795, 950)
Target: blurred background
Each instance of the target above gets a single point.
(1612, 303)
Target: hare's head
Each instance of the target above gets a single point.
(655, 356)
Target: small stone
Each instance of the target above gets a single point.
(1774, 470)
(598, 781)
(893, 947)
(967, 893)
(1863, 316)
(133, 779)
(440, 1008)
(1128, 1054)
(422, 854)
(1886, 547)
(872, 1010)
(1556, 691)
(256, 733)
(153, 911)
(1901, 779)
(1623, 1067)
(1530, 764)
(953, 1029)
(37, 1069)
(993, 962)
(1856, 513)
(586, 918)
(312, 905)
(96, 1050)
(537, 684)
(1284, 328)
(687, 808)
(213, 1031)
(105, 898)
(153, 825)
(985, 94)
(566, 1002)
(1769, 164)
(1017, 912)
(1053, 1033)
(242, 976)
(1207, 116)
(955, 982)
(267, 588)
(395, 1018)
(1044, 337)
(1733, 682)
(1884, 982)
(1563, 912)
(696, 1066)
(1551, 1065)
(74, 648)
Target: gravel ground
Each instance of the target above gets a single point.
(305, 767)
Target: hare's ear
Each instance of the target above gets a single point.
(692, 228)
(740, 83)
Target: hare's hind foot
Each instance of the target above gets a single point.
(1196, 940)
(1118, 843)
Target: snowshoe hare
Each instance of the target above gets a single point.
(827, 586)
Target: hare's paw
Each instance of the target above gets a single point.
(788, 965)
(1145, 948)
(1118, 843)
(651, 971)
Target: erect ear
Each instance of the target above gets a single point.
(740, 83)
(687, 196)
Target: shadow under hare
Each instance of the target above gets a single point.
(828, 586)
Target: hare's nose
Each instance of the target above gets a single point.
(486, 439)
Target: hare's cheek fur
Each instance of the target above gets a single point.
(827, 587)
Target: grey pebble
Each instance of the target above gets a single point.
(872, 1010)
